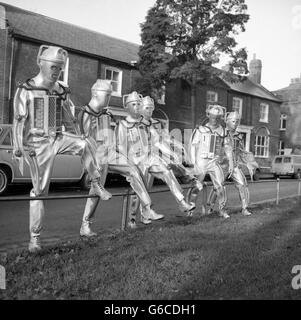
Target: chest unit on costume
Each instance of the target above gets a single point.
(139, 137)
(210, 143)
(46, 114)
(46, 110)
(136, 137)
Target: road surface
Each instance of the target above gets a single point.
(63, 217)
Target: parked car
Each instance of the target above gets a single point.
(67, 168)
(287, 165)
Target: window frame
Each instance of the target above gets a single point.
(281, 150)
(282, 118)
(162, 98)
(266, 117)
(240, 104)
(211, 92)
(117, 93)
(280, 158)
(265, 146)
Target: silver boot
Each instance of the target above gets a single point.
(132, 224)
(86, 231)
(223, 213)
(98, 189)
(186, 207)
(245, 212)
(34, 244)
(145, 217)
(151, 214)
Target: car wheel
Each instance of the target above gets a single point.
(256, 175)
(297, 175)
(4, 180)
(85, 182)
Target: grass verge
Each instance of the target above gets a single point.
(180, 258)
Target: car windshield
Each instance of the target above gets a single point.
(287, 160)
(278, 160)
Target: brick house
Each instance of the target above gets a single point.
(92, 55)
(290, 118)
(260, 110)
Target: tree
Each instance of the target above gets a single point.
(183, 39)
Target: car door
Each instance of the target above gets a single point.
(6, 149)
(67, 168)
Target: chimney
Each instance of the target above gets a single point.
(295, 80)
(255, 70)
(2, 18)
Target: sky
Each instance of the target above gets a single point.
(273, 31)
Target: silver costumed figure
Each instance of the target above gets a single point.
(95, 121)
(207, 145)
(141, 143)
(170, 150)
(240, 157)
(43, 127)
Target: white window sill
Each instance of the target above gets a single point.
(264, 121)
(282, 129)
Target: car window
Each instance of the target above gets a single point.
(278, 160)
(287, 159)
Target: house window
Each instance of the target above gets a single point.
(115, 75)
(262, 146)
(283, 118)
(281, 147)
(237, 105)
(264, 112)
(162, 94)
(212, 97)
(65, 73)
